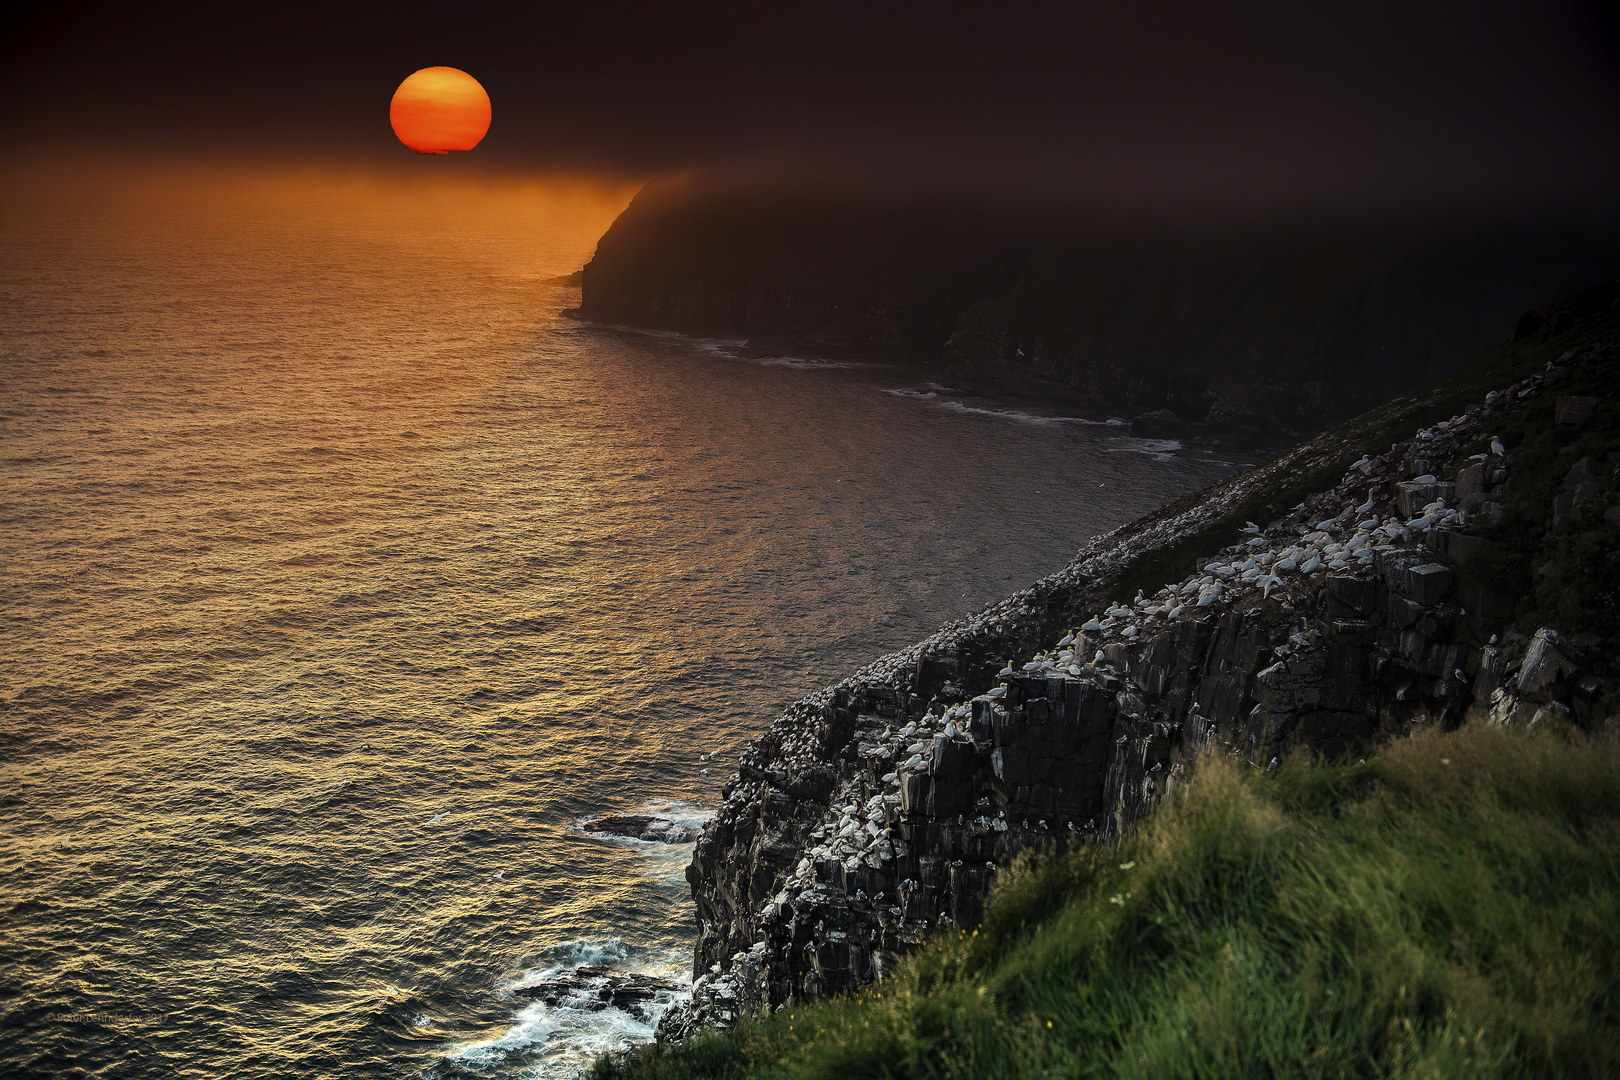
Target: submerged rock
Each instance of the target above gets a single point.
(643, 827)
(595, 986)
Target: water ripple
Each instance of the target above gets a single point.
(337, 598)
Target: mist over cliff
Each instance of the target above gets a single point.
(1257, 327)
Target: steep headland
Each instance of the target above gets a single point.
(1254, 332)
(1451, 557)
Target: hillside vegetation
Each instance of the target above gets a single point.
(1447, 908)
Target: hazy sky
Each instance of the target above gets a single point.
(1148, 101)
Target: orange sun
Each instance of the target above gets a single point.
(440, 109)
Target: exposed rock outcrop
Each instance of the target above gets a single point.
(595, 987)
(642, 827)
(876, 811)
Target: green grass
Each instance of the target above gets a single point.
(1449, 909)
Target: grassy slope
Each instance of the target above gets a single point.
(1450, 909)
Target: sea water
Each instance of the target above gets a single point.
(345, 579)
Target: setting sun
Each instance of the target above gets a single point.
(440, 109)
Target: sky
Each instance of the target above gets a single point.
(1157, 103)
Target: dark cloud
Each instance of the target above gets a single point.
(1156, 102)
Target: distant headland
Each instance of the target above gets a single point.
(1260, 332)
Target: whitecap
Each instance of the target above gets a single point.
(533, 1024)
(802, 364)
(1159, 448)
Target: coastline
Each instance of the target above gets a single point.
(1011, 392)
(830, 858)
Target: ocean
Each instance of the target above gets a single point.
(344, 580)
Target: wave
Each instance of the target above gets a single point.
(577, 1024)
(801, 363)
(532, 1025)
(568, 955)
(936, 396)
(1159, 448)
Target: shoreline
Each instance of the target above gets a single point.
(799, 899)
(1018, 391)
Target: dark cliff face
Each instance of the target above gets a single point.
(1286, 329)
(875, 812)
(1261, 331)
(817, 271)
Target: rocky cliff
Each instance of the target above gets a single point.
(1252, 331)
(1468, 570)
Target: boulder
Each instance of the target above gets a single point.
(595, 987)
(1543, 663)
(1574, 410)
(1348, 595)
(1428, 584)
(643, 827)
(1471, 483)
(1411, 497)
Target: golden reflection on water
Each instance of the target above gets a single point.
(343, 576)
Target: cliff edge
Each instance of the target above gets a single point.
(1453, 556)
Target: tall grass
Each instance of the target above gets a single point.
(1449, 909)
